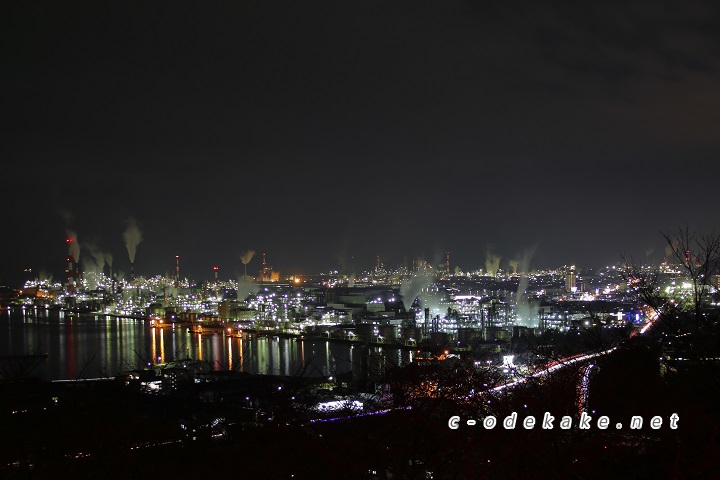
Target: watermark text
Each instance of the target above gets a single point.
(549, 422)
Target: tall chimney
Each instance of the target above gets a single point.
(264, 269)
(177, 270)
(70, 267)
(427, 320)
(70, 273)
(78, 278)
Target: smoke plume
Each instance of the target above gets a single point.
(132, 237)
(246, 256)
(411, 288)
(43, 275)
(492, 262)
(514, 265)
(108, 259)
(432, 301)
(246, 289)
(525, 310)
(97, 260)
(89, 265)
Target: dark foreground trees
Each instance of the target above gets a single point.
(683, 300)
(674, 365)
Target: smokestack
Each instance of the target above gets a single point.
(70, 268)
(215, 268)
(245, 258)
(132, 271)
(264, 268)
(427, 320)
(177, 270)
(447, 263)
(73, 259)
(71, 278)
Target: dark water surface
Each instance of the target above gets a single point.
(92, 346)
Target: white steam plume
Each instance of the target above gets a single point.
(411, 288)
(525, 310)
(246, 289)
(43, 275)
(247, 256)
(492, 262)
(98, 258)
(132, 237)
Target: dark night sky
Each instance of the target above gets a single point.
(327, 132)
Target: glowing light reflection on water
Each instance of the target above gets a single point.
(91, 346)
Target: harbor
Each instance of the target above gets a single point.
(100, 346)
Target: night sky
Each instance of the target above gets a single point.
(328, 132)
